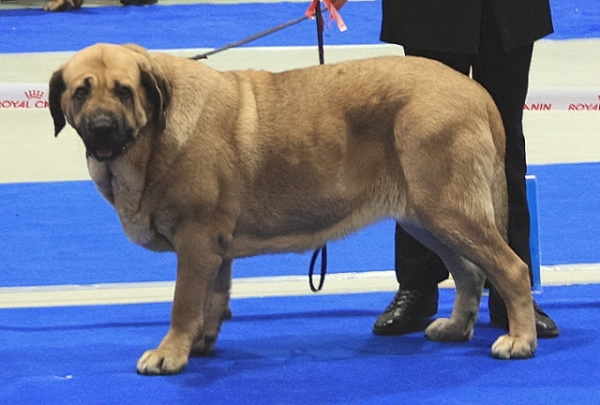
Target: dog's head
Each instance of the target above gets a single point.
(109, 93)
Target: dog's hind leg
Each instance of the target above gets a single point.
(217, 310)
(478, 241)
(510, 275)
(514, 287)
(469, 281)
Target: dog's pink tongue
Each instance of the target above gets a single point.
(104, 153)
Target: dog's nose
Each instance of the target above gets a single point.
(102, 125)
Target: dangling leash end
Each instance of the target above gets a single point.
(311, 269)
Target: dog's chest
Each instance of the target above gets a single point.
(134, 216)
(124, 188)
(136, 225)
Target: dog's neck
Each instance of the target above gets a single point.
(126, 174)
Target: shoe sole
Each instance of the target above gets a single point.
(546, 334)
(417, 326)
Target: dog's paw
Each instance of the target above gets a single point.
(448, 330)
(508, 347)
(62, 5)
(161, 361)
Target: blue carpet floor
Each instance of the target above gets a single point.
(212, 26)
(66, 233)
(295, 350)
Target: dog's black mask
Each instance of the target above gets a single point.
(105, 135)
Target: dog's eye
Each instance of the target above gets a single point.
(81, 93)
(123, 93)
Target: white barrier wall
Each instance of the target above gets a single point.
(16, 96)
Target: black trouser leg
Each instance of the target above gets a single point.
(506, 75)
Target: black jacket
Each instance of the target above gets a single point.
(454, 25)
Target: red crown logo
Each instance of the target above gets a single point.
(35, 94)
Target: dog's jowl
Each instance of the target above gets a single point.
(220, 165)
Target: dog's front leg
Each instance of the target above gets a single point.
(198, 261)
(216, 311)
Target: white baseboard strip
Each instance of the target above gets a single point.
(255, 287)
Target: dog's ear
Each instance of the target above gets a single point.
(158, 90)
(156, 85)
(57, 87)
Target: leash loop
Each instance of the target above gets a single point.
(311, 270)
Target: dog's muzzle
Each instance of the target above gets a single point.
(105, 135)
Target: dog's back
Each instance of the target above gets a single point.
(329, 149)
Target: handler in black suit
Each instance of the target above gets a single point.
(492, 40)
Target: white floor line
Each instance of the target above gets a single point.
(338, 283)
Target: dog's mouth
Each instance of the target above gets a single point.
(103, 154)
(106, 136)
(105, 151)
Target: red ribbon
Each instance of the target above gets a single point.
(333, 13)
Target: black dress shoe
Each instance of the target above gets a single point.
(138, 2)
(408, 312)
(544, 325)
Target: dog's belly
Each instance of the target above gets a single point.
(309, 219)
(246, 246)
(299, 240)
